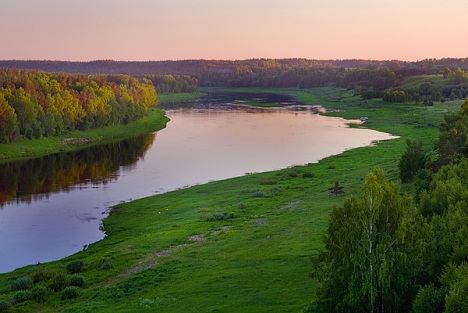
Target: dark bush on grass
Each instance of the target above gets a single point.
(308, 175)
(59, 282)
(4, 305)
(275, 191)
(242, 206)
(22, 283)
(22, 296)
(76, 280)
(39, 293)
(258, 194)
(293, 173)
(71, 292)
(220, 216)
(105, 264)
(75, 266)
(42, 274)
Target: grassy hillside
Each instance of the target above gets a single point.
(237, 245)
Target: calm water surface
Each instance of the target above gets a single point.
(53, 206)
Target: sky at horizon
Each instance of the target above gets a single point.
(146, 30)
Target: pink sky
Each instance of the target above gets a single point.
(232, 29)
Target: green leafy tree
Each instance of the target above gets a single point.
(411, 161)
(374, 252)
(8, 122)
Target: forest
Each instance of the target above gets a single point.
(370, 79)
(388, 252)
(35, 104)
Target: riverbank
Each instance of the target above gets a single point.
(76, 140)
(238, 245)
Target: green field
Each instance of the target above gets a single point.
(237, 245)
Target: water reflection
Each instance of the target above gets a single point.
(35, 179)
(232, 99)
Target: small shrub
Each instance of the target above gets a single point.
(105, 264)
(4, 305)
(258, 194)
(39, 293)
(22, 296)
(308, 175)
(275, 191)
(220, 216)
(293, 173)
(76, 280)
(75, 266)
(331, 167)
(22, 283)
(42, 274)
(242, 206)
(59, 282)
(71, 292)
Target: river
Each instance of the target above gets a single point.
(52, 207)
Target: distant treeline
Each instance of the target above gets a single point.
(35, 104)
(370, 79)
(173, 83)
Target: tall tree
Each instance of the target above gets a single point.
(411, 161)
(374, 252)
(8, 123)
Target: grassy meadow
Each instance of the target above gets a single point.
(237, 245)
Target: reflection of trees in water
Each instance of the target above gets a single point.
(34, 179)
(217, 99)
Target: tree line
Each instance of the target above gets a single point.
(368, 78)
(388, 252)
(35, 104)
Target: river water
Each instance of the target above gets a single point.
(52, 207)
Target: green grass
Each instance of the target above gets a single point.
(178, 97)
(413, 82)
(167, 253)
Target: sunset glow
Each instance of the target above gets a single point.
(232, 29)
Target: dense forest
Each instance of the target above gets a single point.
(386, 253)
(35, 104)
(370, 79)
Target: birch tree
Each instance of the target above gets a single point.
(374, 251)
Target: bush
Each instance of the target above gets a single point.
(22, 283)
(75, 266)
(77, 281)
(42, 274)
(308, 175)
(22, 296)
(4, 305)
(220, 216)
(258, 194)
(275, 191)
(59, 282)
(39, 293)
(293, 173)
(242, 206)
(71, 292)
(105, 264)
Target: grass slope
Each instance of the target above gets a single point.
(237, 245)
